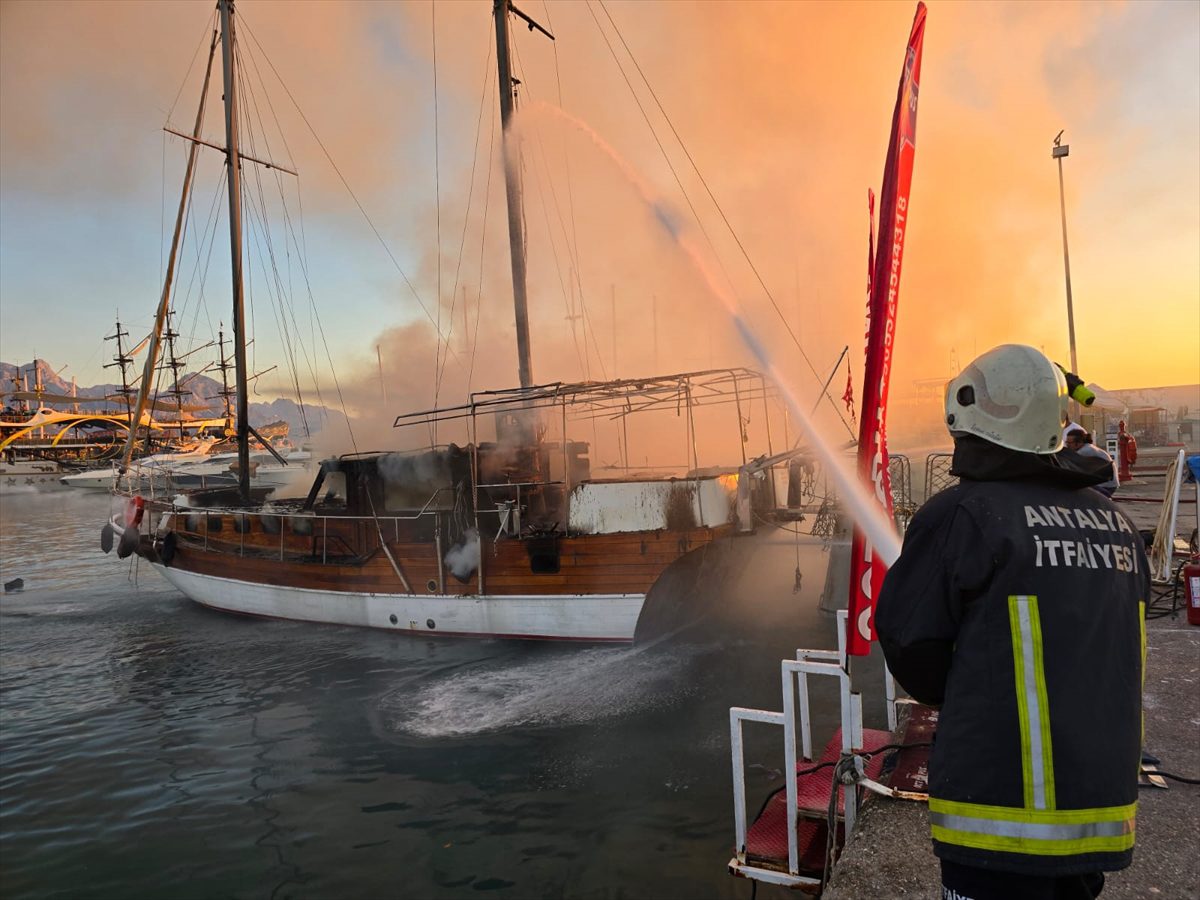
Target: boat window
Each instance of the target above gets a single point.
(192, 522)
(302, 525)
(270, 524)
(214, 524)
(241, 523)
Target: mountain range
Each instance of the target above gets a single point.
(202, 391)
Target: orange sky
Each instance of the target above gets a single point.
(785, 108)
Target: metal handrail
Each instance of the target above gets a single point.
(794, 676)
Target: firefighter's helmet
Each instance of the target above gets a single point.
(1013, 396)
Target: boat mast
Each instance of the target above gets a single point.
(165, 300)
(172, 363)
(123, 362)
(233, 161)
(512, 183)
(225, 365)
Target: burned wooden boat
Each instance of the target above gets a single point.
(516, 532)
(513, 535)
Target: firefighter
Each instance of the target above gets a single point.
(1017, 606)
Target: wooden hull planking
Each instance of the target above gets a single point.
(290, 570)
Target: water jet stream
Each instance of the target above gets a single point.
(856, 497)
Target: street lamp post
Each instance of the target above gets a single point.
(1059, 151)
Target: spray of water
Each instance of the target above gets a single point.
(559, 689)
(858, 500)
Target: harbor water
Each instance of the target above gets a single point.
(150, 746)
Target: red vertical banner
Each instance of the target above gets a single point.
(866, 571)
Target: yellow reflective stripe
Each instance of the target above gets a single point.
(1022, 707)
(1033, 706)
(1034, 846)
(1035, 816)
(1142, 630)
(1050, 832)
(1039, 674)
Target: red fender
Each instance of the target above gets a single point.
(135, 507)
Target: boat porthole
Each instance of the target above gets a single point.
(431, 585)
(392, 618)
(430, 623)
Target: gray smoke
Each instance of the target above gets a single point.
(413, 469)
(463, 558)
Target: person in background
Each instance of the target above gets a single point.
(1079, 439)
(1017, 606)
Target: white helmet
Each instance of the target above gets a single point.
(1012, 396)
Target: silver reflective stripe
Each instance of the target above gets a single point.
(1031, 829)
(1029, 659)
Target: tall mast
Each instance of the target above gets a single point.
(225, 365)
(123, 362)
(172, 363)
(233, 161)
(512, 184)
(165, 300)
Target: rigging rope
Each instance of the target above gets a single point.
(546, 215)
(708, 190)
(282, 310)
(301, 244)
(573, 245)
(487, 202)
(212, 26)
(346, 184)
(483, 95)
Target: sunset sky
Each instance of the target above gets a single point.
(784, 107)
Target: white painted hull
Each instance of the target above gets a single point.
(26, 478)
(589, 617)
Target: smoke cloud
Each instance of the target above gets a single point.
(463, 558)
(783, 107)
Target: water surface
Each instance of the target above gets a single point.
(148, 745)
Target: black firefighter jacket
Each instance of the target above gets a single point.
(1018, 606)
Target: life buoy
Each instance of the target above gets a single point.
(134, 508)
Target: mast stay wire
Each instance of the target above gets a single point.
(483, 95)
(211, 27)
(574, 244)
(588, 327)
(538, 179)
(298, 236)
(283, 309)
(487, 202)
(717, 205)
(346, 184)
(301, 244)
(207, 236)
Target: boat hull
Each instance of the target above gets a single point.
(28, 477)
(591, 617)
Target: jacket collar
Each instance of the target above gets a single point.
(978, 460)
